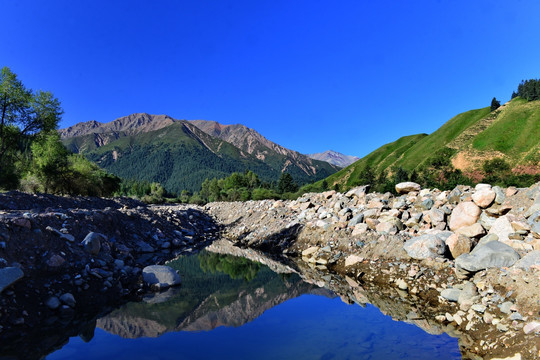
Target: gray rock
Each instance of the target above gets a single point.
(427, 246)
(9, 276)
(505, 307)
(68, 299)
(531, 259)
(52, 303)
(451, 294)
(469, 291)
(427, 204)
(479, 308)
(143, 247)
(500, 196)
(357, 219)
(488, 238)
(436, 216)
(92, 242)
(535, 230)
(516, 316)
(455, 196)
(160, 275)
(492, 254)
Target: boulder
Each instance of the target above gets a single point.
(92, 242)
(465, 214)
(473, 231)
(502, 227)
(160, 276)
(484, 197)
(531, 259)
(9, 276)
(491, 254)
(407, 187)
(426, 246)
(458, 245)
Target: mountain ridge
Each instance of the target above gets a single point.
(180, 155)
(335, 158)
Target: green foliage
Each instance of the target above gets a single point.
(235, 267)
(286, 184)
(528, 89)
(23, 113)
(495, 104)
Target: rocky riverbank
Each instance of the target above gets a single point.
(65, 261)
(465, 261)
(471, 254)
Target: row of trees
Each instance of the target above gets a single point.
(31, 155)
(528, 89)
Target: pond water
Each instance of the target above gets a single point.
(231, 308)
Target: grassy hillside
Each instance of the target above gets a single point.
(511, 132)
(379, 160)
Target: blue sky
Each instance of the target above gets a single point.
(310, 75)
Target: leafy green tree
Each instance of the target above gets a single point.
(50, 163)
(286, 183)
(23, 113)
(495, 104)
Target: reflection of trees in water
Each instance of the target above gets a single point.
(235, 267)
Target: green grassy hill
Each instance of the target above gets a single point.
(511, 132)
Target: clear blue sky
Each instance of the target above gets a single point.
(309, 75)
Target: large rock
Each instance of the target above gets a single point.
(458, 245)
(484, 197)
(531, 259)
(9, 276)
(161, 276)
(427, 246)
(502, 227)
(465, 214)
(92, 242)
(491, 254)
(473, 231)
(407, 187)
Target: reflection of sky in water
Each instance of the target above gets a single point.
(307, 327)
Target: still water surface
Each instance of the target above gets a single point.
(231, 308)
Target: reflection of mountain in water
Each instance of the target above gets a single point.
(217, 290)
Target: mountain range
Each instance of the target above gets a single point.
(180, 154)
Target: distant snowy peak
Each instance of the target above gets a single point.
(335, 158)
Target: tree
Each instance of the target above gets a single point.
(23, 113)
(50, 162)
(495, 104)
(286, 183)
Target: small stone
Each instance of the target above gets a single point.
(68, 299)
(506, 306)
(479, 308)
(532, 327)
(52, 303)
(9, 276)
(352, 260)
(309, 251)
(451, 294)
(401, 284)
